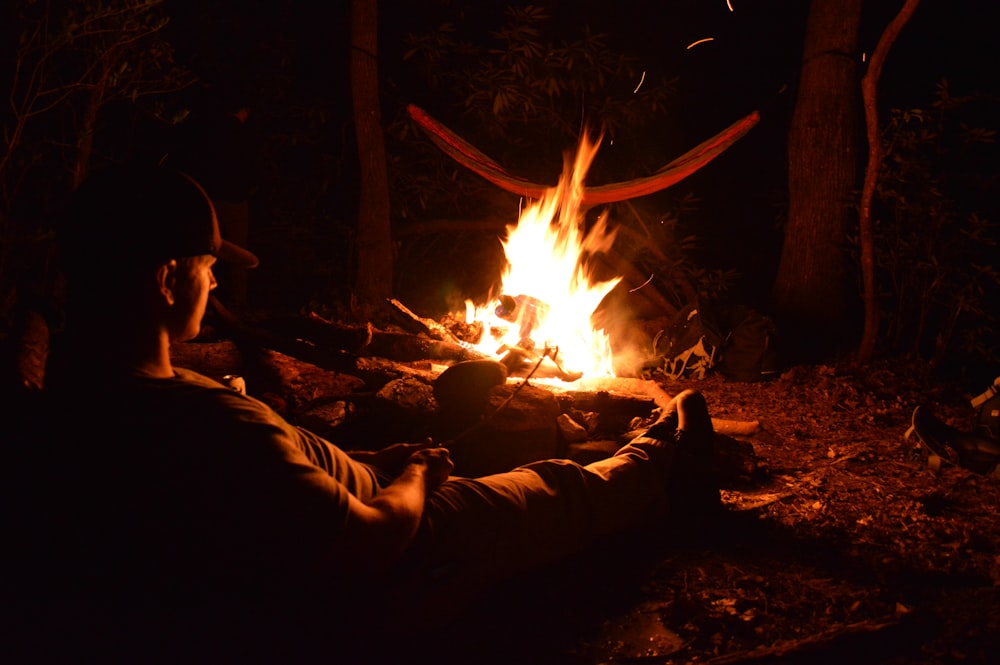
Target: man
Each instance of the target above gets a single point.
(183, 510)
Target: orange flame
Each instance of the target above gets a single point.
(547, 278)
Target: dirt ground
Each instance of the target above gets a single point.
(849, 542)
(852, 544)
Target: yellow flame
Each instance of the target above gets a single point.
(546, 251)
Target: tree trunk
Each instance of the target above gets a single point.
(810, 295)
(869, 88)
(375, 256)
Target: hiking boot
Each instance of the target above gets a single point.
(975, 452)
(695, 486)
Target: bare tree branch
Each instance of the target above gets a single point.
(869, 86)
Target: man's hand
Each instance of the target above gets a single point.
(389, 460)
(378, 532)
(438, 463)
(393, 459)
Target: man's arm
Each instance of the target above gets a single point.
(377, 533)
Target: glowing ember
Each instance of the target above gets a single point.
(548, 299)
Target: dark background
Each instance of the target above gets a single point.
(297, 53)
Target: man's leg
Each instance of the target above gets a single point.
(477, 532)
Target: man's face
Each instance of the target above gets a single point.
(194, 282)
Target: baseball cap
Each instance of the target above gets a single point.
(143, 215)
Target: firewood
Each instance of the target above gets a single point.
(418, 324)
(407, 348)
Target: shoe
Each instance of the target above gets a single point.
(665, 427)
(694, 425)
(696, 482)
(975, 452)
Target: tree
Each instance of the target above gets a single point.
(72, 59)
(374, 240)
(810, 293)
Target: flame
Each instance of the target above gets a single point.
(548, 299)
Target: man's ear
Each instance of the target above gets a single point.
(166, 281)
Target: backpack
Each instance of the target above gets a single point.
(987, 406)
(694, 343)
(748, 353)
(688, 346)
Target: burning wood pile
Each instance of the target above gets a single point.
(365, 387)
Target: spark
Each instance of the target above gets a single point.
(641, 79)
(729, 4)
(641, 285)
(700, 41)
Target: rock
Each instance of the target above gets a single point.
(512, 433)
(461, 390)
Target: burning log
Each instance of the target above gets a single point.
(405, 347)
(425, 326)
(527, 363)
(552, 418)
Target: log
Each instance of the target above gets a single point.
(407, 348)
(845, 641)
(721, 425)
(339, 347)
(422, 325)
(213, 359)
(643, 395)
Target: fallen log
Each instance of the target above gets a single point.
(661, 398)
(338, 347)
(832, 645)
(330, 357)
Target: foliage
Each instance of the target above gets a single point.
(656, 241)
(72, 59)
(525, 99)
(935, 245)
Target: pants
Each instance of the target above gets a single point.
(477, 532)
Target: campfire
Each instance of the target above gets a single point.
(542, 319)
(545, 310)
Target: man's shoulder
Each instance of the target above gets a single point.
(218, 399)
(190, 376)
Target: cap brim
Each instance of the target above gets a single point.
(237, 256)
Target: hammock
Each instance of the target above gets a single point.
(470, 157)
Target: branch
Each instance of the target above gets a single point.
(869, 85)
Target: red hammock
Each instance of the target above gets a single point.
(470, 157)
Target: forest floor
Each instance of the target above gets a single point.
(850, 542)
(853, 544)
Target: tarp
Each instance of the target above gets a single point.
(472, 158)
